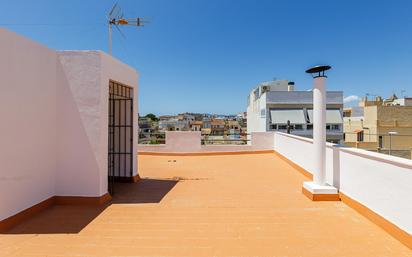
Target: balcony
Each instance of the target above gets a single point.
(197, 200)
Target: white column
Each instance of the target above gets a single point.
(319, 130)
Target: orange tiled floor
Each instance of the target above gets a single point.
(237, 205)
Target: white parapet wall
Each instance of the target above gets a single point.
(54, 122)
(190, 142)
(380, 182)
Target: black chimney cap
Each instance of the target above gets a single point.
(318, 71)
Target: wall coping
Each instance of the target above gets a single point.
(393, 160)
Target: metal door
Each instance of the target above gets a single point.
(120, 159)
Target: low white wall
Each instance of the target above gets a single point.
(380, 182)
(190, 142)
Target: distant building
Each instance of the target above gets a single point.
(206, 131)
(195, 125)
(272, 104)
(172, 123)
(233, 129)
(355, 111)
(146, 125)
(186, 117)
(242, 119)
(207, 122)
(179, 122)
(218, 127)
(395, 101)
(379, 117)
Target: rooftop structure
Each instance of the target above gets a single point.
(271, 104)
(395, 101)
(65, 115)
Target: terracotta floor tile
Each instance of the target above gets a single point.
(233, 205)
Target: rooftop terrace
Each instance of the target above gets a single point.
(211, 205)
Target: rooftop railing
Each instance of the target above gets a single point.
(153, 138)
(157, 138)
(228, 139)
(194, 141)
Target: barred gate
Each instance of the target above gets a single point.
(120, 159)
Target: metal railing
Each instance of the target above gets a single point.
(153, 138)
(156, 138)
(225, 139)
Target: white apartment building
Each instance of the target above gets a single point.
(272, 104)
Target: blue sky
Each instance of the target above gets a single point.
(206, 55)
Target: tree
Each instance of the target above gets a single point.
(152, 117)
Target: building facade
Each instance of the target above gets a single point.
(272, 104)
(195, 125)
(383, 124)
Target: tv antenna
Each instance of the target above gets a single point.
(115, 18)
(403, 91)
(370, 94)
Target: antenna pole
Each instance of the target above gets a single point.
(110, 38)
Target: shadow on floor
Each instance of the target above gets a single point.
(147, 190)
(59, 219)
(66, 219)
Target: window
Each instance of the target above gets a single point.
(335, 127)
(298, 127)
(273, 126)
(309, 126)
(380, 141)
(360, 136)
(263, 112)
(256, 93)
(282, 116)
(333, 141)
(282, 126)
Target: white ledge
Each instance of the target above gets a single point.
(318, 189)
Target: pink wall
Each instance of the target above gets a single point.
(28, 123)
(78, 171)
(190, 142)
(83, 121)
